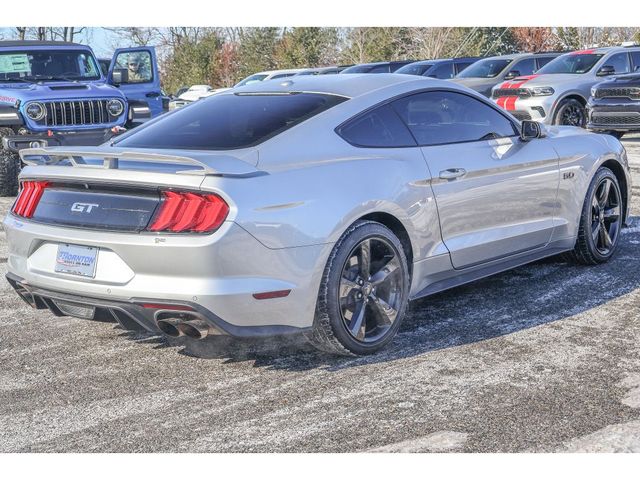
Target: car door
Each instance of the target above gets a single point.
(495, 194)
(140, 81)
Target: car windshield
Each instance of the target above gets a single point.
(412, 69)
(258, 77)
(487, 68)
(224, 122)
(35, 65)
(571, 63)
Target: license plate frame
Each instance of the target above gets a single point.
(78, 260)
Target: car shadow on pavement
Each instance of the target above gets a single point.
(547, 291)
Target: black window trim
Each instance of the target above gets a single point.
(516, 127)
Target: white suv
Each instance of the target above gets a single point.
(557, 94)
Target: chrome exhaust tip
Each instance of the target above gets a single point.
(197, 329)
(170, 327)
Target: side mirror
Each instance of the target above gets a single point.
(605, 70)
(512, 74)
(530, 130)
(120, 76)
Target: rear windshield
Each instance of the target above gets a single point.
(224, 122)
(487, 68)
(412, 69)
(366, 68)
(571, 63)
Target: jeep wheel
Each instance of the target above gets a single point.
(9, 168)
(570, 112)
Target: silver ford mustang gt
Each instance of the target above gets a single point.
(316, 205)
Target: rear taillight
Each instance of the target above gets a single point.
(28, 198)
(189, 212)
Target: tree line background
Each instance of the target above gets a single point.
(222, 56)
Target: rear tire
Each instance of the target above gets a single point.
(363, 293)
(570, 112)
(600, 221)
(9, 168)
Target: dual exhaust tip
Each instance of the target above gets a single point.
(196, 329)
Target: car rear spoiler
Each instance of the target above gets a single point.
(204, 163)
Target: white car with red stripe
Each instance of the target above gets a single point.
(557, 94)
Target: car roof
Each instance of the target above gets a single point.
(350, 86)
(437, 60)
(38, 43)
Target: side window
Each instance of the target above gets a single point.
(542, 61)
(620, 62)
(635, 58)
(380, 127)
(380, 69)
(282, 75)
(460, 66)
(526, 66)
(442, 71)
(137, 65)
(442, 117)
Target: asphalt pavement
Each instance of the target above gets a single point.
(544, 358)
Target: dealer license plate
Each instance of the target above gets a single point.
(76, 260)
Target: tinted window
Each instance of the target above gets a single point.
(487, 68)
(571, 63)
(635, 57)
(443, 71)
(542, 61)
(525, 67)
(447, 117)
(380, 127)
(415, 69)
(223, 122)
(460, 66)
(380, 69)
(282, 75)
(620, 62)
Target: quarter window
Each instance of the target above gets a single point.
(378, 128)
(441, 117)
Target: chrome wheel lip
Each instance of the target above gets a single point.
(606, 214)
(371, 291)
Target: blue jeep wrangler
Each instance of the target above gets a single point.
(55, 93)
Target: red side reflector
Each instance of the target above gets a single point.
(274, 294)
(29, 197)
(189, 212)
(162, 306)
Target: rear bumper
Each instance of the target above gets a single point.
(131, 315)
(15, 143)
(216, 274)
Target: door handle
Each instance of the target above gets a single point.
(451, 173)
(153, 94)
